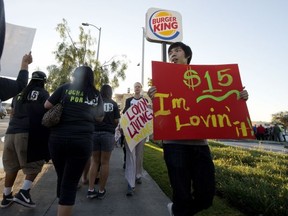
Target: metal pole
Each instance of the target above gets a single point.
(164, 55)
(98, 49)
(143, 47)
(99, 29)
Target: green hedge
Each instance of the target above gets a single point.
(253, 181)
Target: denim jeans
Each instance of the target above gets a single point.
(192, 177)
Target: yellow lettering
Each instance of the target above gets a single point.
(162, 111)
(179, 103)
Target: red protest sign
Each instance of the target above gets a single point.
(199, 102)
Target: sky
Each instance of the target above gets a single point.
(252, 34)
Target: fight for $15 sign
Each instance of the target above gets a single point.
(199, 102)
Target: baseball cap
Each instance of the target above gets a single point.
(39, 75)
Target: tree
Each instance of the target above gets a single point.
(281, 118)
(70, 54)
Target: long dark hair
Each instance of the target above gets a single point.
(84, 81)
(33, 84)
(106, 91)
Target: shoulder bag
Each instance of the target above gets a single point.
(52, 116)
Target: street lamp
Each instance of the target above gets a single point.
(99, 29)
(143, 51)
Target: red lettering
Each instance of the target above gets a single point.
(132, 134)
(130, 117)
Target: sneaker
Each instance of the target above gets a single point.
(169, 206)
(23, 198)
(101, 195)
(130, 191)
(92, 194)
(138, 180)
(7, 200)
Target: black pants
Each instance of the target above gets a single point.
(69, 156)
(192, 177)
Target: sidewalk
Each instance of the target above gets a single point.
(148, 199)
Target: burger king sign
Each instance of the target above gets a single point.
(163, 26)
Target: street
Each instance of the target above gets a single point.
(258, 145)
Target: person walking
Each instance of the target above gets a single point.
(134, 158)
(104, 142)
(70, 141)
(190, 166)
(26, 141)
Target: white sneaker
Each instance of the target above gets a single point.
(169, 206)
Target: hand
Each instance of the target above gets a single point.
(244, 94)
(152, 91)
(26, 60)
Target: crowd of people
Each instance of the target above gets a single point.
(272, 133)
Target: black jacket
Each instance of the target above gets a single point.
(9, 88)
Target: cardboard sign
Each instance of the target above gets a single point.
(199, 102)
(136, 123)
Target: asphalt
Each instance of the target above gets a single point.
(148, 200)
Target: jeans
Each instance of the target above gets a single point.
(192, 177)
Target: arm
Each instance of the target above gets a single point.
(127, 104)
(99, 110)
(48, 105)
(9, 88)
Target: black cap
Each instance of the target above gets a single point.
(39, 75)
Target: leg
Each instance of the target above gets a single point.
(105, 158)
(188, 164)
(10, 161)
(93, 172)
(139, 150)
(130, 171)
(177, 158)
(64, 210)
(85, 174)
(203, 178)
(10, 179)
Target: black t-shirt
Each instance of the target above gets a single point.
(111, 113)
(79, 114)
(130, 102)
(20, 122)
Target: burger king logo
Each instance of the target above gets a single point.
(164, 25)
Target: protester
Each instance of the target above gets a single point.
(26, 141)
(260, 132)
(134, 159)
(190, 166)
(70, 141)
(9, 88)
(104, 142)
(277, 133)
